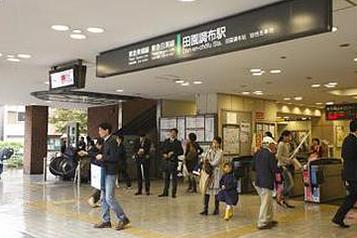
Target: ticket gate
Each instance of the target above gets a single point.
(323, 180)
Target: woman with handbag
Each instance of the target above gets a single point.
(211, 174)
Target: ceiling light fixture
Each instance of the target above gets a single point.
(24, 56)
(60, 27)
(186, 0)
(355, 59)
(246, 93)
(258, 74)
(95, 30)
(78, 36)
(316, 85)
(186, 84)
(330, 103)
(258, 92)
(298, 98)
(331, 85)
(197, 82)
(10, 56)
(334, 28)
(13, 59)
(119, 90)
(0, 54)
(255, 70)
(77, 31)
(275, 71)
(319, 103)
(287, 99)
(179, 81)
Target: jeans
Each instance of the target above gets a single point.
(109, 201)
(288, 182)
(266, 206)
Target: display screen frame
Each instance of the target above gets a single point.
(79, 74)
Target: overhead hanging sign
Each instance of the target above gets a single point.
(341, 112)
(274, 23)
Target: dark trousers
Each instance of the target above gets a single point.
(170, 171)
(122, 173)
(143, 173)
(348, 202)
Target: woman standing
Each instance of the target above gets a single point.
(212, 162)
(192, 153)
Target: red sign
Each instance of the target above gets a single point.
(259, 116)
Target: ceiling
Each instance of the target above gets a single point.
(25, 28)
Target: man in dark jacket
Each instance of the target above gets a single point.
(110, 160)
(122, 173)
(349, 156)
(265, 165)
(171, 150)
(142, 157)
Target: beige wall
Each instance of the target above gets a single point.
(326, 130)
(173, 108)
(244, 104)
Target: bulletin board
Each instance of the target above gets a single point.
(231, 137)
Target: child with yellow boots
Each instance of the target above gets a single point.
(228, 193)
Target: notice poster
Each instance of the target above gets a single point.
(231, 140)
(209, 129)
(181, 128)
(231, 118)
(168, 123)
(245, 127)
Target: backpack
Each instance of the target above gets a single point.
(192, 152)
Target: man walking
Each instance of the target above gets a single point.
(349, 156)
(172, 148)
(142, 157)
(110, 160)
(265, 165)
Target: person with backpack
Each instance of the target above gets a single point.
(192, 153)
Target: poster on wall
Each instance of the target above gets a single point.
(209, 129)
(181, 128)
(231, 145)
(245, 127)
(340, 136)
(231, 118)
(195, 122)
(167, 123)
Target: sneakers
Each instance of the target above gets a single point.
(103, 225)
(122, 224)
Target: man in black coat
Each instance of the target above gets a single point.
(122, 173)
(110, 163)
(265, 165)
(349, 156)
(171, 150)
(142, 157)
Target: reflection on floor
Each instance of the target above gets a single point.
(31, 209)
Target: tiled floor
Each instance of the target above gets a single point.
(32, 209)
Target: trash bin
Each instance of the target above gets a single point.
(242, 169)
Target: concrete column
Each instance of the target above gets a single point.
(98, 115)
(207, 103)
(36, 129)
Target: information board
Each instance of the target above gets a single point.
(285, 20)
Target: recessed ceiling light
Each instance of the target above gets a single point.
(95, 30)
(286, 117)
(24, 56)
(330, 103)
(258, 74)
(255, 70)
(78, 36)
(275, 71)
(197, 82)
(319, 103)
(258, 92)
(298, 98)
(48, 101)
(355, 59)
(10, 56)
(331, 85)
(186, 84)
(316, 85)
(334, 29)
(179, 81)
(77, 31)
(60, 27)
(246, 93)
(0, 54)
(13, 59)
(304, 118)
(186, 0)
(119, 90)
(287, 99)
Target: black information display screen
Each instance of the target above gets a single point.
(341, 112)
(274, 23)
